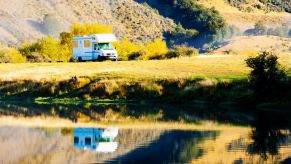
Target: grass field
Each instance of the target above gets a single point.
(210, 66)
(210, 77)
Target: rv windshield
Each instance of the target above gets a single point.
(103, 46)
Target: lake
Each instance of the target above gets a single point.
(252, 136)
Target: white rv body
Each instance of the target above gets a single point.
(94, 47)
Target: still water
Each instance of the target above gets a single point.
(257, 136)
(92, 145)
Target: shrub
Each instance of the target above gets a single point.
(135, 55)
(156, 57)
(180, 31)
(11, 55)
(155, 48)
(125, 48)
(179, 51)
(54, 51)
(260, 28)
(266, 77)
(129, 51)
(46, 50)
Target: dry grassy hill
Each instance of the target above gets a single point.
(32, 19)
(251, 44)
(246, 19)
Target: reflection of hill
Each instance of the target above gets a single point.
(38, 145)
(171, 147)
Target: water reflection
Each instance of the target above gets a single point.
(99, 140)
(170, 147)
(270, 131)
(54, 145)
(267, 140)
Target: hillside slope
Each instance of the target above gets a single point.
(249, 44)
(235, 15)
(33, 19)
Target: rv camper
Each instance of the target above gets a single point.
(94, 47)
(98, 140)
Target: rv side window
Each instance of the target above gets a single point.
(76, 140)
(87, 44)
(75, 44)
(87, 141)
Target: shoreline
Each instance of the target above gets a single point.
(63, 123)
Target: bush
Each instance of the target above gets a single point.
(266, 77)
(180, 31)
(260, 28)
(129, 51)
(125, 48)
(11, 55)
(135, 55)
(179, 51)
(156, 57)
(46, 50)
(155, 48)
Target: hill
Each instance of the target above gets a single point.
(250, 44)
(235, 12)
(33, 19)
(139, 20)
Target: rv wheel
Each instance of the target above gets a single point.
(79, 59)
(99, 58)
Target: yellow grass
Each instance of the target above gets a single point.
(245, 20)
(211, 66)
(248, 44)
(204, 66)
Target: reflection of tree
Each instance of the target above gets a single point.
(267, 134)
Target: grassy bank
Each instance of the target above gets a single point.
(214, 79)
(200, 66)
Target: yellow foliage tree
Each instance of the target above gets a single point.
(156, 47)
(125, 48)
(78, 29)
(52, 50)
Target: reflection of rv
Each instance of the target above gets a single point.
(99, 140)
(94, 47)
